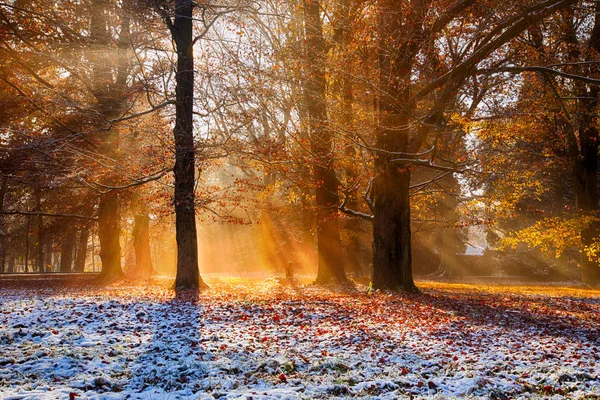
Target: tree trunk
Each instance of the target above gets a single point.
(82, 248)
(11, 264)
(188, 275)
(109, 231)
(109, 90)
(585, 165)
(329, 245)
(27, 234)
(49, 244)
(392, 253)
(40, 224)
(586, 183)
(3, 190)
(66, 251)
(353, 250)
(141, 245)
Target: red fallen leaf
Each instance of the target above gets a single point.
(223, 347)
(455, 358)
(282, 378)
(276, 318)
(420, 384)
(547, 388)
(404, 371)
(264, 339)
(54, 332)
(72, 395)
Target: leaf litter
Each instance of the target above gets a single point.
(269, 339)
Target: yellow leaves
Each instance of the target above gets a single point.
(553, 236)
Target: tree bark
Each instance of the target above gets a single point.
(586, 187)
(40, 224)
(49, 244)
(108, 94)
(392, 253)
(585, 162)
(3, 190)
(188, 275)
(27, 245)
(109, 229)
(66, 251)
(141, 245)
(82, 248)
(11, 264)
(329, 245)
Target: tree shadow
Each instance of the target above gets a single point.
(544, 314)
(173, 360)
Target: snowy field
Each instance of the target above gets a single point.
(265, 340)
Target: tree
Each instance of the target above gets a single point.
(329, 246)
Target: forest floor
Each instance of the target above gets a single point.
(270, 339)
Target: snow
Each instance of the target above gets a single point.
(272, 341)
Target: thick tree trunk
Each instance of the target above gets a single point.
(584, 135)
(392, 253)
(109, 229)
(188, 275)
(586, 187)
(329, 245)
(66, 251)
(82, 248)
(141, 245)
(109, 94)
(587, 177)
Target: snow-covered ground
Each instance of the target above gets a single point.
(273, 341)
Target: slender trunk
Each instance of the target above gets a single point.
(27, 232)
(66, 251)
(188, 275)
(49, 244)
(82, 247)
(353, 248)
(392, 253)
(141, 245)
(3, 190)
(329, 245)
(11, 263)
(40, 224)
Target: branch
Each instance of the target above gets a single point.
(511, 29)
(368, 198)
(544, 70)
(342, 208)
(142, 113)
(137, 182)
(44, 214)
